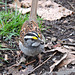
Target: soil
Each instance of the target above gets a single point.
(60, 29)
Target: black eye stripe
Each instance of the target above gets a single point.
(35, 33)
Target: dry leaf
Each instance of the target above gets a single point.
(24, 10)
(21, 10)
(49, 10)
(57, 62)
(17, 3)
(70, 58)
(62, 50)
(59, 49)
(13, 6)
(26, 3)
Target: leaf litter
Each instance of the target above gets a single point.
(59, 51)
(48, 10)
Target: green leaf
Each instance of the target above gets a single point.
(6, 49)
(4, 59)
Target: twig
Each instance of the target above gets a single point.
(56, 63)
(70, 44)
(30, 62)
(11, 66)
(43, 63)
(52, 50)
(71, 5)
(21, 66)
(27, 64)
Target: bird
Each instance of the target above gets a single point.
(31, 40)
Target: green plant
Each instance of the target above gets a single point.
(40, 22)
(11, 23)
(4, 60)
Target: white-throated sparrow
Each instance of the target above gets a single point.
(31, 40)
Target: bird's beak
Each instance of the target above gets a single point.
(39, 40)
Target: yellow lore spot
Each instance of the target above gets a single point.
(34, 37)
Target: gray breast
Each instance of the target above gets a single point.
(31, 51)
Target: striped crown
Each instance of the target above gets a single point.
(32, 35)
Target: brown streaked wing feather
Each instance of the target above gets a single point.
(29, 26)
(36, 28)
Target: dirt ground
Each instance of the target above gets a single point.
(60, 29)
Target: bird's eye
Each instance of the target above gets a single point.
(25, 39)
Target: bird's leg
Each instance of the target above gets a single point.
(40, 56)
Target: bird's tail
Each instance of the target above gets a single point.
(33, 13)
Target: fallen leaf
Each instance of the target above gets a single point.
(17, 3)
(50, 10)
(26, 3)
(24, 10)
(62, 50)
(57, 62)
(70, 58)
(13, 6)
(59, 49)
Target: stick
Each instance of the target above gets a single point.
(27, 64)
(56, 63)
(71, 5)
(30, 62)
(43, 63)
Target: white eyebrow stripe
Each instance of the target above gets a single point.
(28, 36)
(34, 33)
